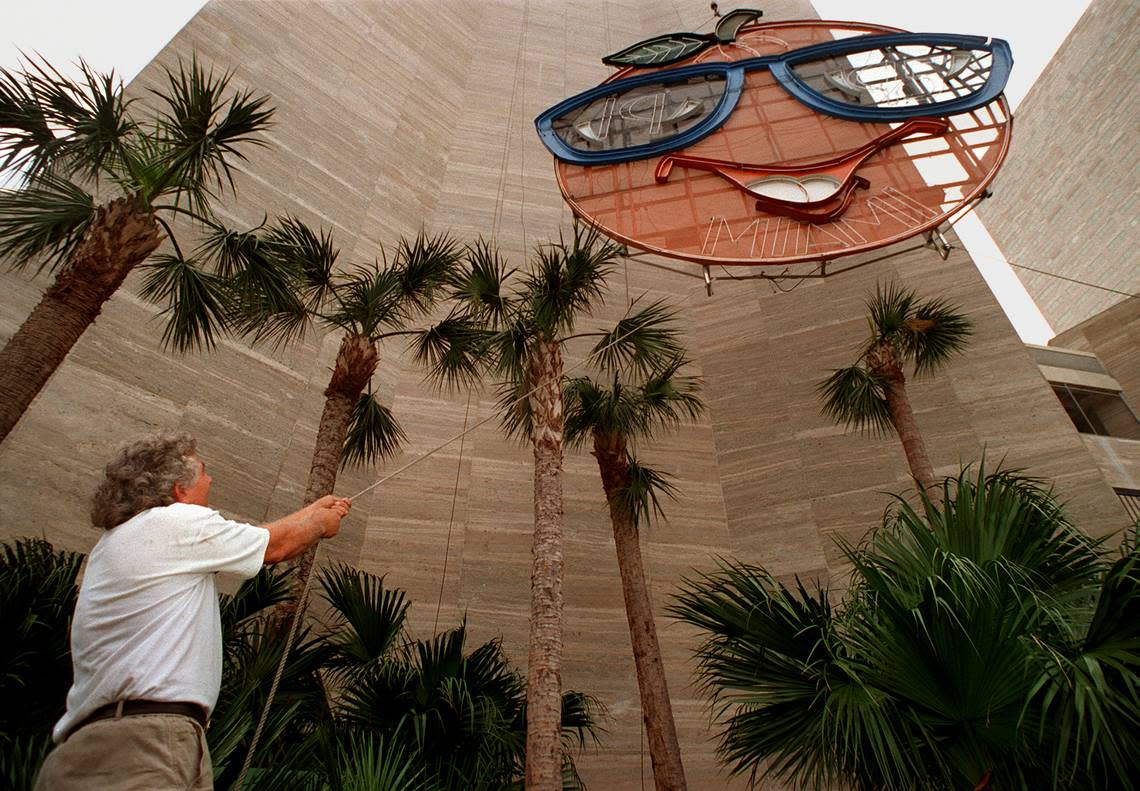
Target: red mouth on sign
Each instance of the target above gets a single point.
(817, 192)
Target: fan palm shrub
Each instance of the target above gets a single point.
(515, 335)
(38, 590)
(985, 642)
(871, 395)
(100, 182)
(611, 418)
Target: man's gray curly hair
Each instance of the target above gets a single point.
(142, 475)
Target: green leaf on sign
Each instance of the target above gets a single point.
(660, 50)
(729, 25)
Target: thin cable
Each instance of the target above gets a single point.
(451, 519)
(1071, 279)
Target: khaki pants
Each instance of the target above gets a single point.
(145, 752)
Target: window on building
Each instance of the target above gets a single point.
(1102, 412)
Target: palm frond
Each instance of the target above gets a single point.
(668, 398)
(42, 225)
(373, 433)
(1085, 694)
(513, 406)
(365, 762)
(196, 301)
(21, 757)
(307, 254)
(478, 285)
(370, 617)
(367, 300)
(767, 662)
(855, 397)
(645, 486)
(254, 598)
(584, 406)
(264, 292)
(453, 351)
(26, 139)
(38, 591)
(50, 124)
(203, 134)
(567, 279)
(888, 311)
(643, 341)
(423, 268)
(939, 331)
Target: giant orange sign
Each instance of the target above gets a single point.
(782, 143)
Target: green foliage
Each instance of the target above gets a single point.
(62, 134)
(928, 332)
(982, 633)
(901, 328)
(856, 397)
(45, 221)
(361, 704)
(69, 139)
(38, 591)
(195, 299)
(373, 433)
(645, 486)
(494, 329)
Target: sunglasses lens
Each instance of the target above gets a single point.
(901, 76)
(637, 116)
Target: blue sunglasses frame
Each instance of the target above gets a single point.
(781, 67)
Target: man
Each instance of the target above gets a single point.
(146, 641)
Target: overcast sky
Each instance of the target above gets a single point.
(125, 35)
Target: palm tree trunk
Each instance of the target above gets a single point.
(657, 711)
(355, 363)
(544, 662)
(122, 235)
(902, 417)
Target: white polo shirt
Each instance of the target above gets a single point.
(147, 624)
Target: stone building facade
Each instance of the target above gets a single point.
(394, 117)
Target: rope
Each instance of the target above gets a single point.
(451, 519)
(297, 614)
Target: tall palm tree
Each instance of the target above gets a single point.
(871, 394)
(367, 304)
(985, 642)
(613, 418)
(517, 337)
(98, 185)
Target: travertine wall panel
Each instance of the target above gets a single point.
(1065, 200)
(397, 116)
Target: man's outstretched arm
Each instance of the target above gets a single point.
(291, 535)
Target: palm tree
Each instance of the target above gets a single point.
(613, 417)
(72, 141)
(517, 337)
(871, 394)
(985, 642)
(367, 304)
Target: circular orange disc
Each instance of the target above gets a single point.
(697, 215)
